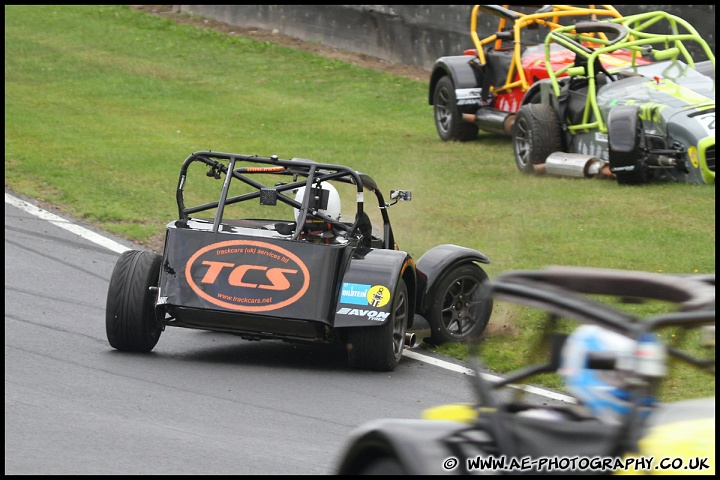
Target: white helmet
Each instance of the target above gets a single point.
(332, 209)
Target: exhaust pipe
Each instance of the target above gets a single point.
(409, 340)
(491, 120)
(572, 165)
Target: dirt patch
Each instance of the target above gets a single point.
(359, 59)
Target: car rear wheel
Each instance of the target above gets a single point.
(459, 309)
(130, 322)
(536, 134)
(448, 117)
(380, 348)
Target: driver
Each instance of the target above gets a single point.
(327, 201)
(605, 391)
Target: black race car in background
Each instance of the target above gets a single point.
(293, 250)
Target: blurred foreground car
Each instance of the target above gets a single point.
(482, 89)
(651, 119)
(276, 257)
(613, 363)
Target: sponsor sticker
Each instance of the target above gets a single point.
(362, 294)
(693, 154)
(378, 296)
(354, 293)
(247, 275)
(369, 314)
(468, 96)
(468, 93)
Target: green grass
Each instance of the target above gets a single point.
(103, 103)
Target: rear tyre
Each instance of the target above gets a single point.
(130, 321)
(459, 309)
(380, 348)
(536, 134)
(448, 117)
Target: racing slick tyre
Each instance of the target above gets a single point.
(459, 309)
(130, 321)
(380, 348)
(536, 134)
(448, 117)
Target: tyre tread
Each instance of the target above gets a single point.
(129, 316)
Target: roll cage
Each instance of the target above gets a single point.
(290, 174)
(632, 34)
(513, 22)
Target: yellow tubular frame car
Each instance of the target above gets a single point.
(482, 89)
(549, 16)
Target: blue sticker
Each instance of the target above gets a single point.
(354, 293)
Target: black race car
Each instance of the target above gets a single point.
(276, 258)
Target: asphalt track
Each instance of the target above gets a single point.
(200, 403)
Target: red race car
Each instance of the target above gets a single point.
(483, 88)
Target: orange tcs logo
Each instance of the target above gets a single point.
(247, 275)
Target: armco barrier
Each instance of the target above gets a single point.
(408, 34)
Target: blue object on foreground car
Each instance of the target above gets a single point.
(615, 383)
(270, 261)
(649, 119)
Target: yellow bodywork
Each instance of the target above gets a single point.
(683, 443)
(689, 445)
(458, 412)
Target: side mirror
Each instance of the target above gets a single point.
(400, 195)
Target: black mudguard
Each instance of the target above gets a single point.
(366, 290)
(437, 261)
(422, 447)
(625, 141)
(622, 135)
(464, 70)
(432, 447)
